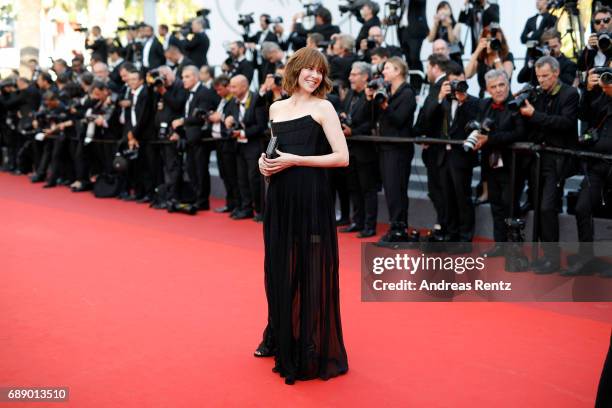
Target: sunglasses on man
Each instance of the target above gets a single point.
(602, 20)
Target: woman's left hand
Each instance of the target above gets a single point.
(283, 161)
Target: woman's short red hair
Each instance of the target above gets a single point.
(307, 58)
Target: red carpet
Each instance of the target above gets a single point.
(134, 307)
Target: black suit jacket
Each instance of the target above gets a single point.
(196, 48)
(509, 128)
(340, 67)
(156, 54)
(254, 122)
(99, 48)
(555, 119)
(114, 74)
(533, 33)
(179, 68)
(246, 68)
(361, 125)
(397, 119)
(145, 127)
(205, 99)
(417, 19)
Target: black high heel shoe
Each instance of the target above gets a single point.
(264, 351)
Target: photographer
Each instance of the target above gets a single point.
(152, 49)
(552, 41)
(177, 60)
(598, 50)
(138, 131)
(596, 110)
(116, 59)
(323, 25)
(238, 63)
(368, 17)
(170, 97)
(267, 33)
(197, 43)
(363, 178)
(341, 57)
(394, 115)
(226, 147)
(552, 120)
(193, 126)
(453, 108)
(478, 15)
(246, 123)
(538, 24)
(375, 40)
(500, 126)
(55, 126)
(412, 30)
(97, 44)
(273, 56)
(446, 28)
(492, 52)
(429, 123)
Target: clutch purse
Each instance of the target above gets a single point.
(272, 146)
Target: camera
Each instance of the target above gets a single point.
(528, 91)
(228, 132)
(371, 43)
(603, 41)
(393, 16)
(156, 78)
(278, 80)
(351, 6)
(346, 119)
(311, 8)
(457, 86)
(605, 74)
(474, 127)
(122, 159)
(163, 131)
(245, 20)
(495, 43)
(535, 51)
(381, 94)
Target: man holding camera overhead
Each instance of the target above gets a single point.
(499, 125)
(194, 126)
(552, 120)
(596, 111)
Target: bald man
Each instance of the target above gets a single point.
(190, 126)
(246, 123)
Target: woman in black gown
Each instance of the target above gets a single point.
(304, 331)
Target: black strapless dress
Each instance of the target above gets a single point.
(301, 261)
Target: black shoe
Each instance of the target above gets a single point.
(125, 196)
(64, 182)
(342, 222)
(393, 236)
(243, 215)
(258, 217)
(84, 187)
(144, 199)
(37, 178)
(264, 350)
(203, 206)
(366, 233)
(224, 209)
(351, 228)
(496, 251)
(546, 266)
(579, 267)
(50, 185)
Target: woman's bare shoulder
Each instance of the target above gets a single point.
(275, 108)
